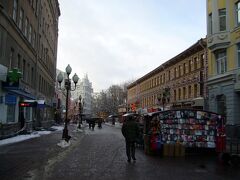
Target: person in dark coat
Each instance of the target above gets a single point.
(130, 131)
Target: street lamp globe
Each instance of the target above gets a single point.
(60, 78)
(75, 78)
(68, 69)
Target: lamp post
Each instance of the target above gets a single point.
(68, 88)
(165, 96)
(80, 105)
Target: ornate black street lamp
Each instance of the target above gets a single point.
(68, 88)
(165, 96)
(80, 105)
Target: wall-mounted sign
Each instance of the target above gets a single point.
(10, 99)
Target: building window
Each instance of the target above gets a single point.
(30, 34)
(184, 68)
(189, 91)
(195, 90)
(169, 75)
(20, 22)
(238, 13)
(175, 72)
(11, 58)
(238, 54)
(184, 92)
(210, 23)
(179, 94)
(195, 63)
(11, 113)
(26, 27)
(23, 69)
(222, 19)
(14, 14)
(202, 60)
(175, 95)
(179, 71)
(34, 39)
(221, 61)
(190, 66)
(19, 62)
(28, 73)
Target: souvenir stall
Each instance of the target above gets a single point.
(170, 132)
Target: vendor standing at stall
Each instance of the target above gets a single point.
(130, 131)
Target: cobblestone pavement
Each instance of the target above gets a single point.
(100, 154)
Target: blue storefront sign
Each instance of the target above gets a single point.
(10, 99)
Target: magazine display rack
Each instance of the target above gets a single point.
(191, 128)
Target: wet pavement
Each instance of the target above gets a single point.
(100, 154)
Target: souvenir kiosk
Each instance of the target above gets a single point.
(171, 132)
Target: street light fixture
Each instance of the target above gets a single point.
(80, 106)
(68, 88)
(165, 96)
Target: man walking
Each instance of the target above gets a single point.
(130, 131)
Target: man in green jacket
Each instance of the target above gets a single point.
(130, 131)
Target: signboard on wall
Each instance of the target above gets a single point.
(10, 99)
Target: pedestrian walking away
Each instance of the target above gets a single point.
(130, 131)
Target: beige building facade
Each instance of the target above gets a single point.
(177, 83)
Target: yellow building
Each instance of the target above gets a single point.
(177, 83)
(223, 41)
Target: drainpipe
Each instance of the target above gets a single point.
(205, 77)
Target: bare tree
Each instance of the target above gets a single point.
(108, 101)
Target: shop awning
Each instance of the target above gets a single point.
(21, 93)
(40, 103)
(198, 101)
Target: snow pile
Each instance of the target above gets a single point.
(64, 144)
(34, 134)
(18, 138)
(58, 128)
(78, 130)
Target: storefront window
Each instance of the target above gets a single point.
(28, 114)
(10, 113)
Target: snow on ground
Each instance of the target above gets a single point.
(64, 144)
(58, 128)
(34, 134)
(117, 124)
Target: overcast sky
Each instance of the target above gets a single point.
(114, 41)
